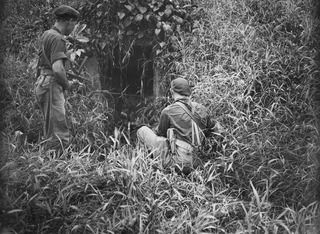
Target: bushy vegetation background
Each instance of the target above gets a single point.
(252, 64)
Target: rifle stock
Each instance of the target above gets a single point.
(78, 77)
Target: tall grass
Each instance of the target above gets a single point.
(251, 63)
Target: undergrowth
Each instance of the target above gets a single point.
(251, 63)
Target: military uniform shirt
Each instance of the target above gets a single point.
(174, 116)
(54, 47)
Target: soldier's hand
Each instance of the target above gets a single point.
(73, 83)
(81, 85)
(76, 84)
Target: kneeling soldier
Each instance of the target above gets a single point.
(180, 129)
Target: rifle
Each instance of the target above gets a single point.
(78, 77)
(75, 73)
(70, 74)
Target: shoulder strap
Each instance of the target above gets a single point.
(183, 106)
(196, 130)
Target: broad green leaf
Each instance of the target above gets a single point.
(73, 57)
(161, 13)
(162, 44)
(142, 9)
(139, 17)
(157, 31)
(147, 17)
(178, 19)
(77, 30)
(82, 39)
(79, 52)
(140, 35)
(127, 22)
(121, 15)
(166, 27)
(168, 12)
(130, 8)
(169, 6)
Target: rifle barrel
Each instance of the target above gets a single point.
(78, 76)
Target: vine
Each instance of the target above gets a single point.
(113, 24)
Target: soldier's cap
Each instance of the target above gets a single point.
(181, 86)
(66, 11)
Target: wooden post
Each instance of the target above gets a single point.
(157, 89)
(91, 66)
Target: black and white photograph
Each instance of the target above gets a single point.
(160, 117)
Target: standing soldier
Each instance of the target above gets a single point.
(52, 78)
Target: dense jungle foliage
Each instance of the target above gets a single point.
(252, 63)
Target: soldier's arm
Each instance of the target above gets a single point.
(60, 74)
(58, 59)
(164, 124)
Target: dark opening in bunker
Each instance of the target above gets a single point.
(133, 75)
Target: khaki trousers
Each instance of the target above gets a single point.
(50, 97)
(157, 144)
(181, 155)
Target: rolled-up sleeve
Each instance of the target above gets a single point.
(58, 48)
